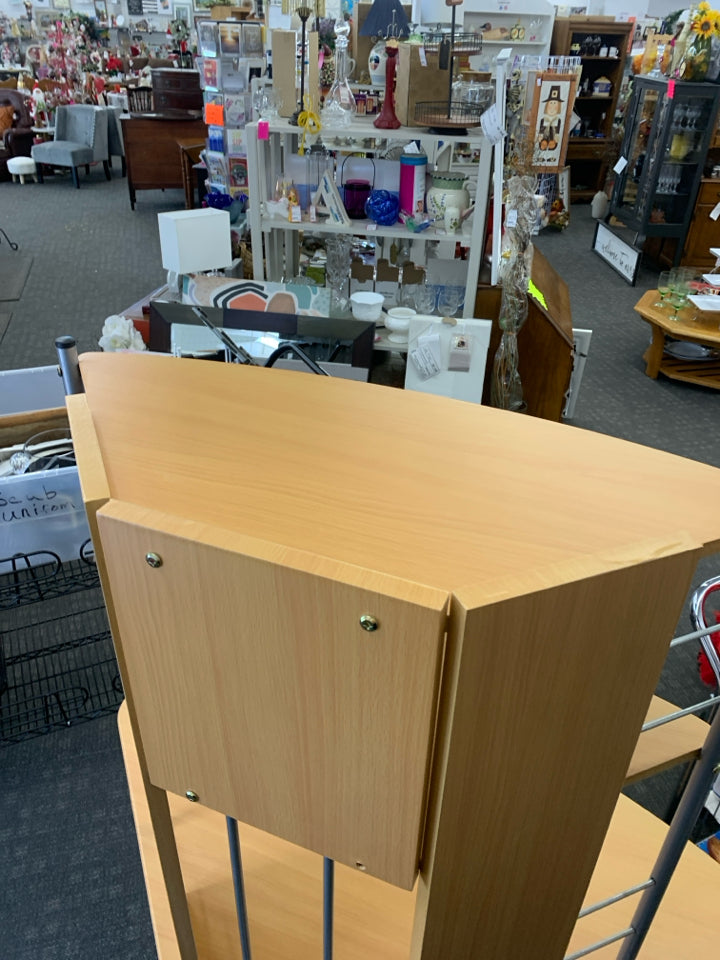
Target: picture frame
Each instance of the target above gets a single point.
(252, 39)
(231, 38)
(183, 11)
(616, 252)
(553, 98)
(207, 36)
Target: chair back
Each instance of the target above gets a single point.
(116, 146)
(83, 123)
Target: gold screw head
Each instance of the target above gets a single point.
(153, 560)
(369, 623)
(192, 796)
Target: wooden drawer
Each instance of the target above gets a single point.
(709, 192)
(587, 149)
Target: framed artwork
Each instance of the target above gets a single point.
(230, 39)
(101, 10)
(183, 11)
(551, 107)
(252, 39)
(207, 37)
(61, 4)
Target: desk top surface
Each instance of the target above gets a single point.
(437, 491)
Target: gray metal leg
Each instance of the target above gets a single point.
(239, 885)
(328, 898)
(680, 829)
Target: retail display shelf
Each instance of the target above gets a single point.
(359, 227)
(278, 873)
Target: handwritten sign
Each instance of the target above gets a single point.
(616, 252)
(43, 511)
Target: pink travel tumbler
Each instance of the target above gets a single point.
(413, 167)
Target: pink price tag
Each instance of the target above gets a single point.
(671, 89)
(263, 130)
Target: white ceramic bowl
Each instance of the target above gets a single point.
(366, 305)
(397, 321)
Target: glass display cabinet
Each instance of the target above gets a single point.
(667, 135)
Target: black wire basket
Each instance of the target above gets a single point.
(461, 44)
(448, 115)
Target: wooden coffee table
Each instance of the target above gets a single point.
(693, 326)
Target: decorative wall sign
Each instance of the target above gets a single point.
(615, 251)
(553, 97)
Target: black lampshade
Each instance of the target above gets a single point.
(379, 21)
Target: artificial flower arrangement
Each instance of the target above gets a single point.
(699, 61)
(705, 21)
(119, 333)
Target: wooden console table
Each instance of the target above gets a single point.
(151, 148)
(705, 330)
(415, 636)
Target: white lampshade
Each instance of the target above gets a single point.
(195, 240)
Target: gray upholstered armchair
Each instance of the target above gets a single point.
(81, 138)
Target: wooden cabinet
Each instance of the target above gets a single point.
(703, 231)
(152, 151)
(601, 43)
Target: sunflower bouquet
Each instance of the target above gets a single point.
(704, 35)
(704, 21)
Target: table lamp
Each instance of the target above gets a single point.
(194, 241)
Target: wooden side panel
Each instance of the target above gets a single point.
(544, 695)
(256, 687)
(94, 485)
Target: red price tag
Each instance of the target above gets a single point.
(263, 130)
(671, 89)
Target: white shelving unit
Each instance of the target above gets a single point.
(276, 239)
(535, 17)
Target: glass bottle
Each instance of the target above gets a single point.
(340, 106)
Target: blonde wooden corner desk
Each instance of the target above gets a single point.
(413, 635)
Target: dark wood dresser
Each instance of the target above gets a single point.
(176, 90)
(152, 151)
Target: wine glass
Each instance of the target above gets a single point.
(663, 288)
(678, 282)
(425, 297)
(448, 301)
(405, 296)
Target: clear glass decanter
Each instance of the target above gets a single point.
(340, 106)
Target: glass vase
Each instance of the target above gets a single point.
(696, 62)
(340, 107)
